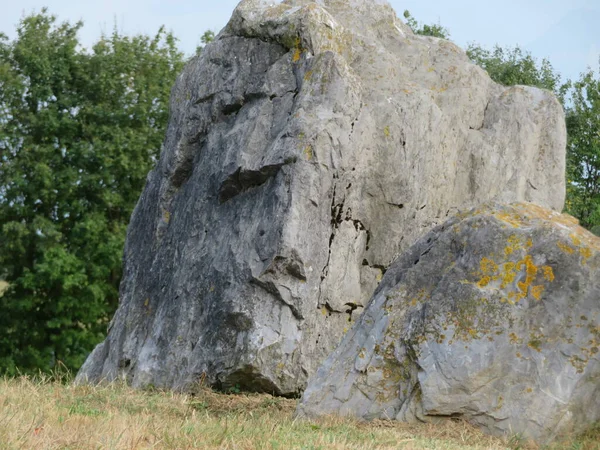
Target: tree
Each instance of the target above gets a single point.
(435, 30)
(583, 151)
(79, 132)
(515, 66)
(207, 37)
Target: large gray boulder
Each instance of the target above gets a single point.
(493, 317)
(307, 147)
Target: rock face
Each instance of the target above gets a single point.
(493, 317)
(308, 146)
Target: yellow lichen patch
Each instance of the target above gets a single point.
(509, 273)
(576, 240)
(506, 273)
(565, 248)
(548, 273)
(167, 216)
(323, 310)
(488, 266)
(386, 131)
(537, 291)
(308, 151)
(484, 281)
(297, 55)
(530, 273)
(308, 75)
(514, 244)
(512, 219)
(585, 253)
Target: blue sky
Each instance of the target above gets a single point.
(567, 32)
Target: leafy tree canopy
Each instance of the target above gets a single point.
(516, 66)
(583, 150)
(207, 37)
(79, 131)
(435, 30)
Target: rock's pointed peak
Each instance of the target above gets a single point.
(323, 25)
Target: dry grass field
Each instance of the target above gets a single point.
(45, 414)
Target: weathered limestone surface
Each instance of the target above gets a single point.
(493, 316)
(308, 146)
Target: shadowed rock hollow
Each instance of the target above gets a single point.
(307, 147)
(492, 317)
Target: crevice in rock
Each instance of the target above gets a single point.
(249, 379)
(383, 269)
(272, 289)
(290, 265)
(243, 180)
(402, 139)
(239, 321)
(334, 213)
(354, 121)
(206, 98)
(183, 171)
(330, 309)
(229, 110)
(124, 363)
(351, 308)
(426, 251)
(397, 205)
(483, 118)
(248, 98)
(358, 225)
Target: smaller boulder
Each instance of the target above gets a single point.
(493, 317)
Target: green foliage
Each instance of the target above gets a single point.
(79, 132)
(207, 37)
(583, 151)
(435, 30)
(515, 66)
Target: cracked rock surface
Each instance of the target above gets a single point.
(492, 317)
(308, 146)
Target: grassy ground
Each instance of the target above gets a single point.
(41, 414)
